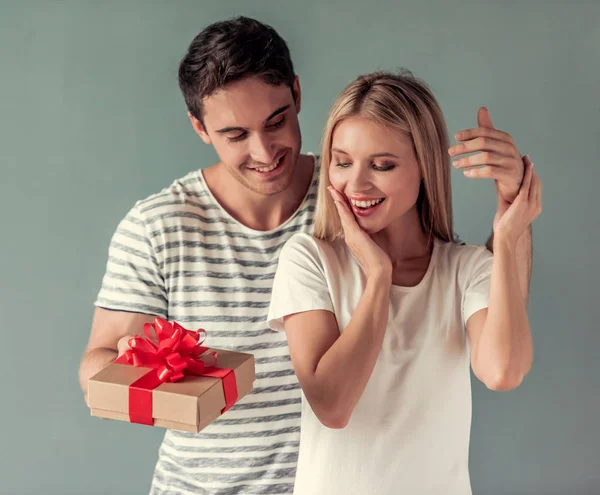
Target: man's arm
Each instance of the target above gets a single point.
(110, 332)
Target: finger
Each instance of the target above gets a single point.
(485, 158)
(339, 199)
(484, 119)
(485, 132)
(346, 216)
(483, 143)
(123, 344)
(526, 185)
(538, 199)
(489, 172)
(533, 183)
(535, 190)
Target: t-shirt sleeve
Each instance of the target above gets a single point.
(477, 288)
(133, 280)
(300, 284)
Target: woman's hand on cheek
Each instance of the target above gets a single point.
(374, 260)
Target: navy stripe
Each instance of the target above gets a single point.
(228, 319)
(134, 268)
(132, 219)
(188, 214)
(225, 233)
(220, 304)
(129, 250)
(275, 374)
(176, 202)
(226, 450)
(246, 434)
(257, 420)
(134, 292)
(175, 485)
(217, 289)
(218, 247)
(275, 388)
(130, 307)
(131, 278)
(268, 404)
(132, 235)
(191, 178)
(244, 334)
(202, 273)
(219, 261)
(273, 359)
(236, 462)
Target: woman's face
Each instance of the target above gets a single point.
(375, 168)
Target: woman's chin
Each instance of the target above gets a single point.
(370, 228)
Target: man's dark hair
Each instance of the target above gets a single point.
(229, 51)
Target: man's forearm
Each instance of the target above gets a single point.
(93, 361)
(523, 257)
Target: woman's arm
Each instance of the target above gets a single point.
(501, 345)
(523, 256)
(333, 368)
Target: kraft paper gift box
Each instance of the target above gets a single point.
(170, 381)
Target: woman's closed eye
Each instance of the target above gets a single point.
(379, 168)
(384, 167)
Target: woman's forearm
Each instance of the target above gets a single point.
(344, 370)
(504, 350)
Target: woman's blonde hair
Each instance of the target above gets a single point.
(405, 104)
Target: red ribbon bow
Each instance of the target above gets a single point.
(175, 351)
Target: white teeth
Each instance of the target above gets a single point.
(366, 204)
(269, 168)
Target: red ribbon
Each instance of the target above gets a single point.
(175, 351)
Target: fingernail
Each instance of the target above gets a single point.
(468, 173)
(459, 135)
(456, 163)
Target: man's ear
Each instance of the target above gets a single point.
(297, 94)
(199, 128)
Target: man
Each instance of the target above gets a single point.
(204, 251)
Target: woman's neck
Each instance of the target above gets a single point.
(404, 240)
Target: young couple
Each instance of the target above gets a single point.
(366, 388)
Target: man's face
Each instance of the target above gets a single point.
(255, 131)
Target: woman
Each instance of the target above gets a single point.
(384, 312)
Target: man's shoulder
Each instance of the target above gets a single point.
(183, 193)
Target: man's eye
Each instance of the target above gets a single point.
(276, 125)
(239, 137)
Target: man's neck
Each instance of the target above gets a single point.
(254, 210)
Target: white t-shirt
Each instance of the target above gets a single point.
(409, 432)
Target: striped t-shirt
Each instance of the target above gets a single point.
(179, 255)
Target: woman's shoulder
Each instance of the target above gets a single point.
(463, 257)
(319, 250)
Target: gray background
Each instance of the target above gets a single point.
(92, 120)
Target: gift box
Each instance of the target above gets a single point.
(168, 379)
